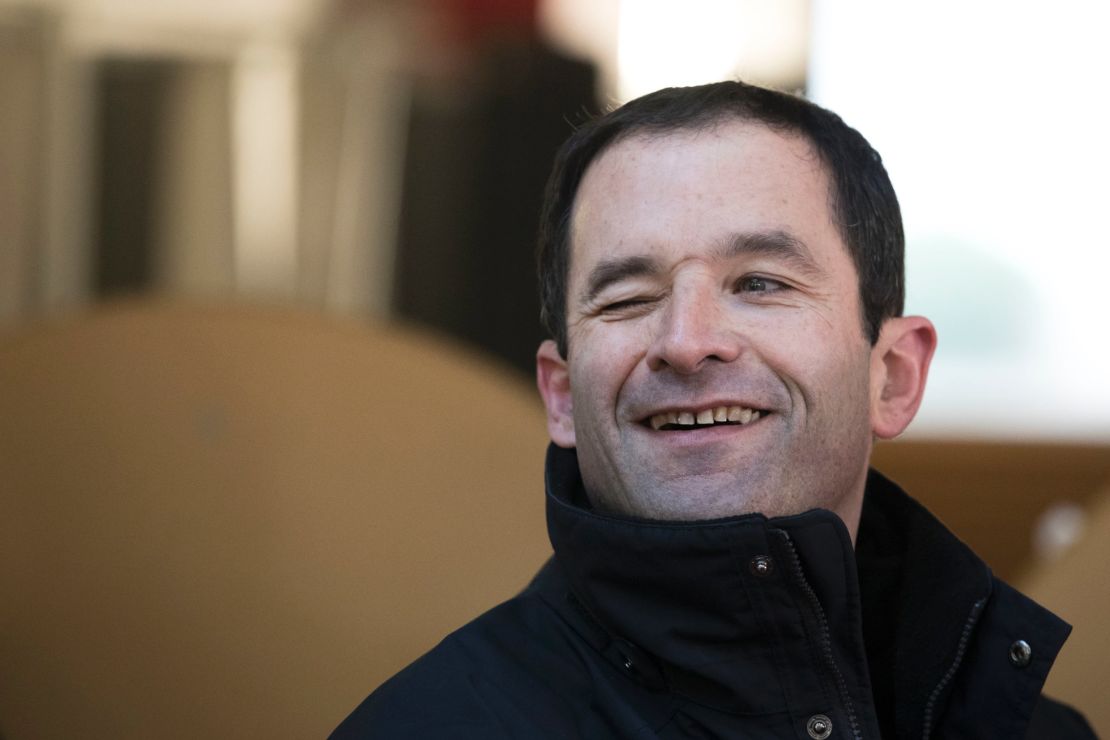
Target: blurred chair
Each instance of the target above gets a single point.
(231, 522)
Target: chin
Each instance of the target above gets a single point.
(699, 502)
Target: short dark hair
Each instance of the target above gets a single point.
(862, 198)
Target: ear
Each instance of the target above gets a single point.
(553, 379)
(899, 367)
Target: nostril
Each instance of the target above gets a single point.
(685, 362)
(693, 328)
(689, 352)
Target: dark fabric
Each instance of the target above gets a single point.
(1051, 719)
(741, 627)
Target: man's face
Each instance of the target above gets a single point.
(707, 282)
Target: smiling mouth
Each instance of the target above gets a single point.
(686, 420)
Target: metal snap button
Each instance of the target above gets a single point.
(762, 566)
(1021, 654)
(819, 727)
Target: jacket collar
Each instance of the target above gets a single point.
(923, 594)
(931, 604)
(688, 595)
(691, 595)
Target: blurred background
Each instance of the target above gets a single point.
(386, 158)
(308, 177)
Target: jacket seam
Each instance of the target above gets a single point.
(826, 639)
(961, 650)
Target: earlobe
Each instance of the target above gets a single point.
(899, 368)
(553, 380)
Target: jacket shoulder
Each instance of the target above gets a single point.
(509, 673)
(1053, 719)
(432, 697)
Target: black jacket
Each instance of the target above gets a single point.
(744, 627)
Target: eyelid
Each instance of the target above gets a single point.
(629, 303)
(625, 303)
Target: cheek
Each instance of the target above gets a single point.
(828, 366)
(796, 336)
(601, 363)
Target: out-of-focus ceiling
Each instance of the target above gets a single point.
(172, 26)
(218, 15)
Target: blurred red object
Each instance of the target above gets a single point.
(472, 20)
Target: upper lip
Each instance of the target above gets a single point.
(697, 406)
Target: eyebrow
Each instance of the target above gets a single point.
(772, 243)
(610, 271)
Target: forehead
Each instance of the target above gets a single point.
(680, 193)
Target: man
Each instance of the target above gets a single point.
(722, 276)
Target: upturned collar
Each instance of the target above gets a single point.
(721, 611)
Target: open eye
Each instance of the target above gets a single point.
(758, 284)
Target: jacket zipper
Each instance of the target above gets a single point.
(961, 648)
(826, 638)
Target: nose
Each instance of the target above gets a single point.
(693, 328)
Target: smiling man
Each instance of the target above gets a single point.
(722, 273)
(708, 277)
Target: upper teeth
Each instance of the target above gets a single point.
(705, 416)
